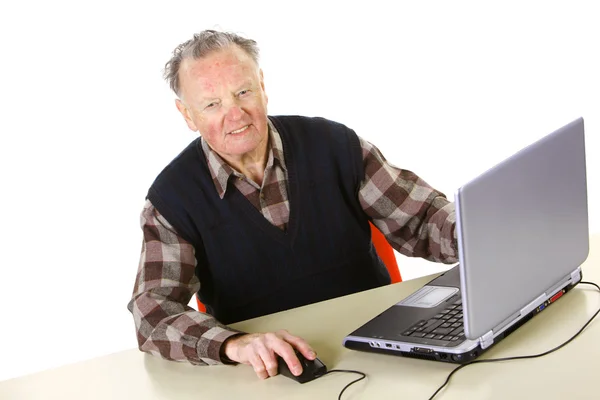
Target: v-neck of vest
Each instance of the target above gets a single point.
(288, 236)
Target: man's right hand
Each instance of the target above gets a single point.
(260, 350)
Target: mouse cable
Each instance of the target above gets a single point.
(521, 357)
(351, 383)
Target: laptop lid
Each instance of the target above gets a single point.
(534, 207)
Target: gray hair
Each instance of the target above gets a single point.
(200, 46)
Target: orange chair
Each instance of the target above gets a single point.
(384, 251)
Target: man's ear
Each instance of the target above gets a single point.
(186, 115)
(262, 85)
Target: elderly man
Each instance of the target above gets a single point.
(265, 213)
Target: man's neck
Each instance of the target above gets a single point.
(252, 165)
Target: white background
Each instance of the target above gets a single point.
(445, 89)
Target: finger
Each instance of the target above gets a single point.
(258, 365)
(293, 364)
(269, 361)
(299, 344)
(286, 351)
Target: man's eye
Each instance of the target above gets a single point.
(211, 105)
(243, 92)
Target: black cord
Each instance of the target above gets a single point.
(520, 357)
(353, 382)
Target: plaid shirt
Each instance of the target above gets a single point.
(417, 220)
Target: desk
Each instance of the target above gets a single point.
(570, 373)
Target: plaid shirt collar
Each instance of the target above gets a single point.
(221, 172)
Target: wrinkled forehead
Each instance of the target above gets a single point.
(219, 68)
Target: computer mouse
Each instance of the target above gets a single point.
(311, 369)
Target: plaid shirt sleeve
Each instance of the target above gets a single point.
(417, 220)
(165, 283)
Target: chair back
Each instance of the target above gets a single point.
(386, 252)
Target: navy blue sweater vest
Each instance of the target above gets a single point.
(248, 267)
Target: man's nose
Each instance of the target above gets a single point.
(235, 112)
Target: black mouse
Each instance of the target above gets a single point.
(311, 369)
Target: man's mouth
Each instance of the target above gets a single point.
(242, 129)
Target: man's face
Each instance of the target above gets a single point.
(223, 97)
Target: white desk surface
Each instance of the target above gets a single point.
(570, 373)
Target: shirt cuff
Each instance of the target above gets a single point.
(211, 342)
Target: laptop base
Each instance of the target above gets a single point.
(474, 349)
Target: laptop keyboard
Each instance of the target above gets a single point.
(446, 325)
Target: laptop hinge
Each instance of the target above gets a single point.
(576, 275)
(487, 340)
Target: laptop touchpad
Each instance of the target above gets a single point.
(429, 296)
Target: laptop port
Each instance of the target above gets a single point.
(422, 350)
(388, 345)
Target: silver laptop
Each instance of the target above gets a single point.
(522, 235)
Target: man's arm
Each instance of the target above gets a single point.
(168, 328)
(164, 285)
(417, 220)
